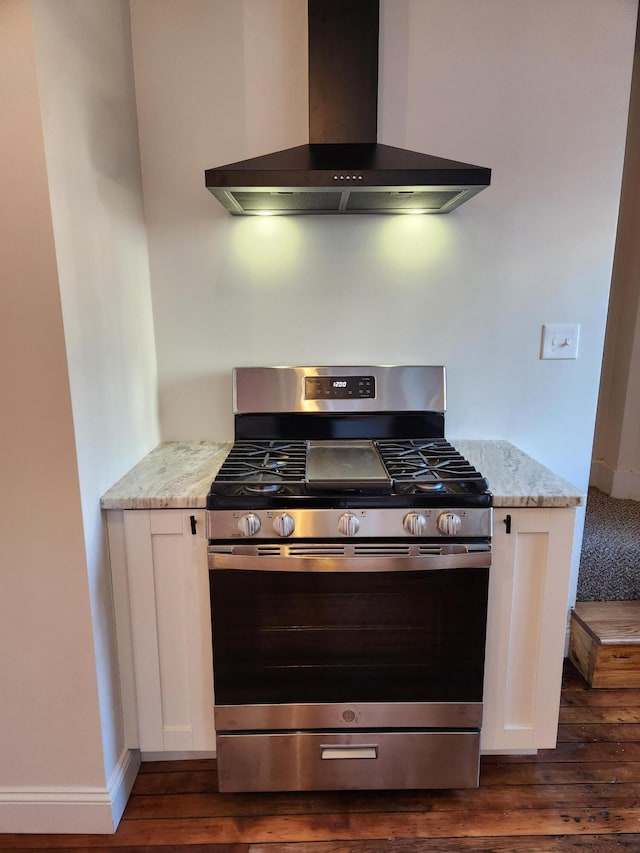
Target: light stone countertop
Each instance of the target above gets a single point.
(178, 474)
(515, 478)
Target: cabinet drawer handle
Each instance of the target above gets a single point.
(340, 751)
(507, 523)
(194, 521)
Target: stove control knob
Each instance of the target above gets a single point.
(348, 524)
(414, 523)
(284, 525)
(449, 523)
(249, 524)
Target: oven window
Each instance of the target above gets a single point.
(281, 637)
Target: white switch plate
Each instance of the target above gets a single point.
(560, 340)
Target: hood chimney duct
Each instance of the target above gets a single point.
(343, 71)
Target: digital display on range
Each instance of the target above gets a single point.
(339, 387)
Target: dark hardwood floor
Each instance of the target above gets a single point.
(583, 795)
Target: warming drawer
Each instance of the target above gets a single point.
(301, 761)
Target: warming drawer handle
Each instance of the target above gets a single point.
(341, 751)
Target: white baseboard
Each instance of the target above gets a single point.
(616, 482)
(121, 783)
(70, 809)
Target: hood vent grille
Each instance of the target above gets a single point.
(344, 169)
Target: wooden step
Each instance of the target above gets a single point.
(604, 642)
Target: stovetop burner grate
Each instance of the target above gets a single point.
(263, 467)
(429, 465)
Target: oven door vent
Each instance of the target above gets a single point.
(382, 550)
(268, 550)
(319, 550)
(437, 550)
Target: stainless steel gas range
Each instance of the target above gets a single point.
(349, 558)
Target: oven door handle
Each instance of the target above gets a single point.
(365, 563)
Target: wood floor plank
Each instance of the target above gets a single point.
(572, 714)
(512, 844)
(145, 848)
(334, 827)
(569, 796)
(598, 732)
(559, 774)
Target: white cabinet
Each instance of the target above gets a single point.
(526, 627)
(161, 593)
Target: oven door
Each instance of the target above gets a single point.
(313, 634)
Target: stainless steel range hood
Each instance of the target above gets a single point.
(344, 169)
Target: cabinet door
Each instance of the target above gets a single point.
(169, 631)
(526, 630)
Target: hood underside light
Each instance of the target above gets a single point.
(261, 201)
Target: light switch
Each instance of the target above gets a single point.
(560, 340)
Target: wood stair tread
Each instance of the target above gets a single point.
(610, 621)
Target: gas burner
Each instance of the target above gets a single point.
(429, 485)
(263, 488)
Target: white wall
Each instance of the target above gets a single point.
(215, 81)
(616, 453)
(91, 142)
(79, 392)
(539, 92)
(49, 721)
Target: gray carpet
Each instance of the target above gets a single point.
(610, 558)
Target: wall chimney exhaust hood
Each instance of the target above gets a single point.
(344, 169)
